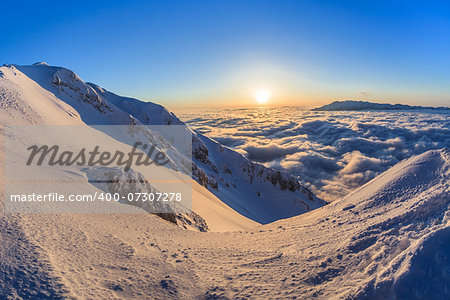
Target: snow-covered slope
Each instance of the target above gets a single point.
(388, 239)
(254, 191)
(24, 102)
(259, 193)
(383, 241)
(365, 105)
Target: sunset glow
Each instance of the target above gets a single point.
(261, 96)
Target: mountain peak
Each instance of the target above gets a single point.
(41, 63)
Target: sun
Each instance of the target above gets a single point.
(261, 96)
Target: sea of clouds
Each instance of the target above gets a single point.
(331, 152)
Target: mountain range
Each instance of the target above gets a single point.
(257, 193)
(365, 105)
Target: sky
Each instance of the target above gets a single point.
(220, 53)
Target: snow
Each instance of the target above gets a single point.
(258, 201)
(360, 246)
(42, 63)
(386, 239)
(248, 188)
(25, 102)
(24, 98)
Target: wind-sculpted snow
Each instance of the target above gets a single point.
(332, 152)
(386, 240)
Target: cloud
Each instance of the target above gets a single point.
(314, 161)
(268, 152)
(331, 152)
(357, 163)
(230, 141)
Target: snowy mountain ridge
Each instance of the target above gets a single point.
(225, 172)
(248, 188)
(388, 239)
(23, 101)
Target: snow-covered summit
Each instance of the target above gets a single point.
(41, 63)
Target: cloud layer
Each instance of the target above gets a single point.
(331, 152)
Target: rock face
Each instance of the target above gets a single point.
(259, 193)
(116, 181)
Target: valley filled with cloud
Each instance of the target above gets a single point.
(332, 152)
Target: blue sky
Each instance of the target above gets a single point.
(215, 53)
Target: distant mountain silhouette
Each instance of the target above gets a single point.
(365, 105)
